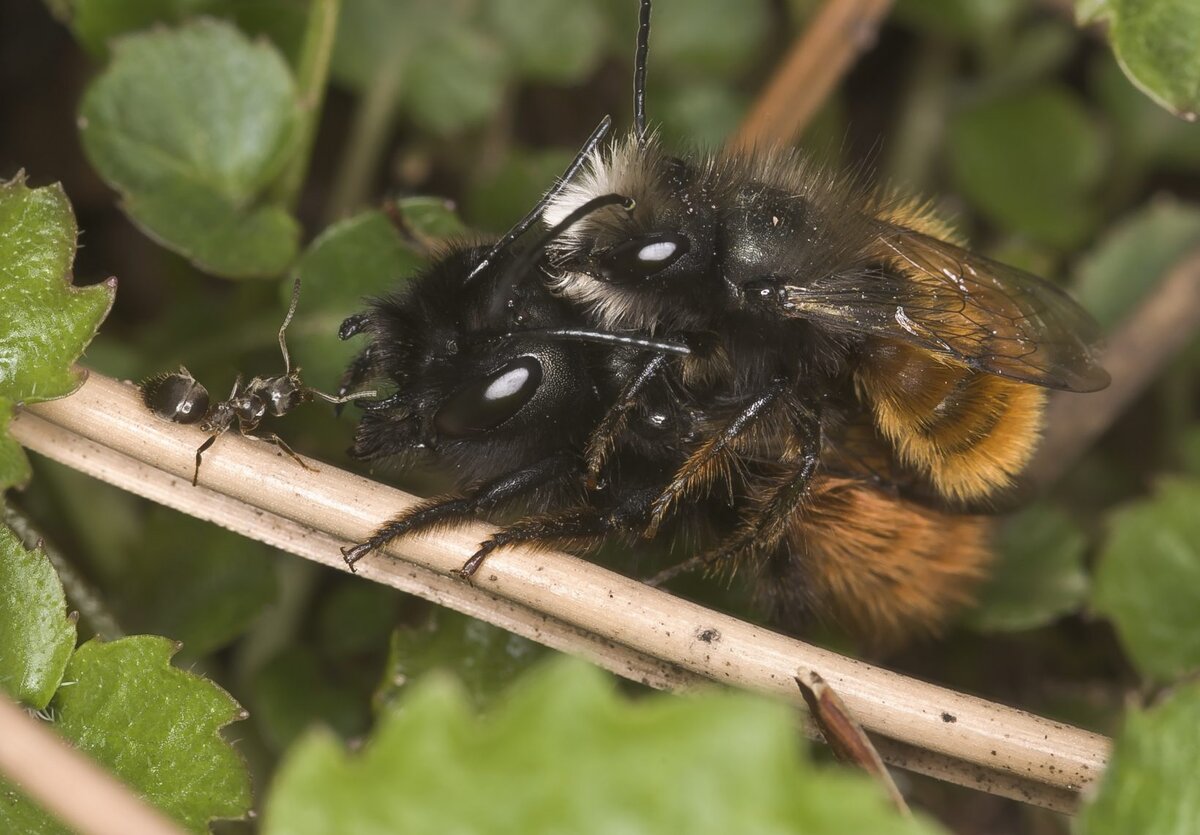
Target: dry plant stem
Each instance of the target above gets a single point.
(288, 535)
(606, 615)
(839, 32)
(1161, 327)
(68, 784)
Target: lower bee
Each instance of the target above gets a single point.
(177, 396)
(851, 386)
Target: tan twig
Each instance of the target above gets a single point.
(839, 32)
(637, 631)
(1161, 327)
(68, 784)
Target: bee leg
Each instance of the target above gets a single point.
(765, 525)
(705, 463)
(559, 467)
(360, 366)
(600, 443)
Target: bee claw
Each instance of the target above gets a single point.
(352, 554)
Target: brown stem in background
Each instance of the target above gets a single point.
(1160, 328)
(839, 32)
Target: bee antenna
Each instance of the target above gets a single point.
(535, 213)
(530, 256)
(287, 320)
(639, 73)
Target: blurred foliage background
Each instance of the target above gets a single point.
(452, 115)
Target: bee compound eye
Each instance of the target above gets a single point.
(484, 404)
(645, 255)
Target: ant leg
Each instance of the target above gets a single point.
(446, 509)
(212, 439)
(603, 438)
(712, 457)
(272, 438)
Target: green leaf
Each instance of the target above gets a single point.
(508, 193)
(191, 126)
(1150, 784)
(154, 726)
(550, 40)
(350, 261)
(195, 582)
(564, 753)
(36, 634)
(45, 323)
(1040, 575)
(1147, 578)
(485, 658)
(430, 220)
(1031, 162)
(1146, 132)
(697, 39)
(1133, 257)
(963, 19)
(1155, 43)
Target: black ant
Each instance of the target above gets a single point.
(177, 396)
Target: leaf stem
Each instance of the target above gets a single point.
(368, 135)
(312, 74)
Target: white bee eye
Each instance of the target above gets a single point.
(660, 251)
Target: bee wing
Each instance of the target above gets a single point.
(992, 317)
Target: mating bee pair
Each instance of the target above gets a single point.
(799, 372)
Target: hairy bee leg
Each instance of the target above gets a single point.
(701, 463)
(560, 466)
(580, 526)
(602, 439)
(360, 366)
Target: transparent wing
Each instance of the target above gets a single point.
(990, 316)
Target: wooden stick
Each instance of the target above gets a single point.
(1015, 753)
(68, 784)
(828, 47)
(1160, 328)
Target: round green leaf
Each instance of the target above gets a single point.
(550, 40)
(45, 323)
(155, 727)
(1147, 580)
(191, 126)
(1031, 161)
(1150, 785)
(1155, 43)
(1039, 576)
(36, 635)
(564, 753)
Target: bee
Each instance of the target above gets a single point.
(854, 386)
(178, 397)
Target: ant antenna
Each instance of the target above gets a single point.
(536, 212)
(287, 320)
(527, 258)
(639, 73)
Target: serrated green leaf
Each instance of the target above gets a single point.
(191, 126)
(1150, 785)
(36, 635)
(1147, 578)
(1133, 257)
(564, 753)
(1031, 161)
(550, 40)
(485, 658)
(45, 322)
(194, 582)
(350, 261)
(154, 726)
(1155, 43)
(1040, 575)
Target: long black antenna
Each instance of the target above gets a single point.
(639, 73)
(529, 257)
(536, 212)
